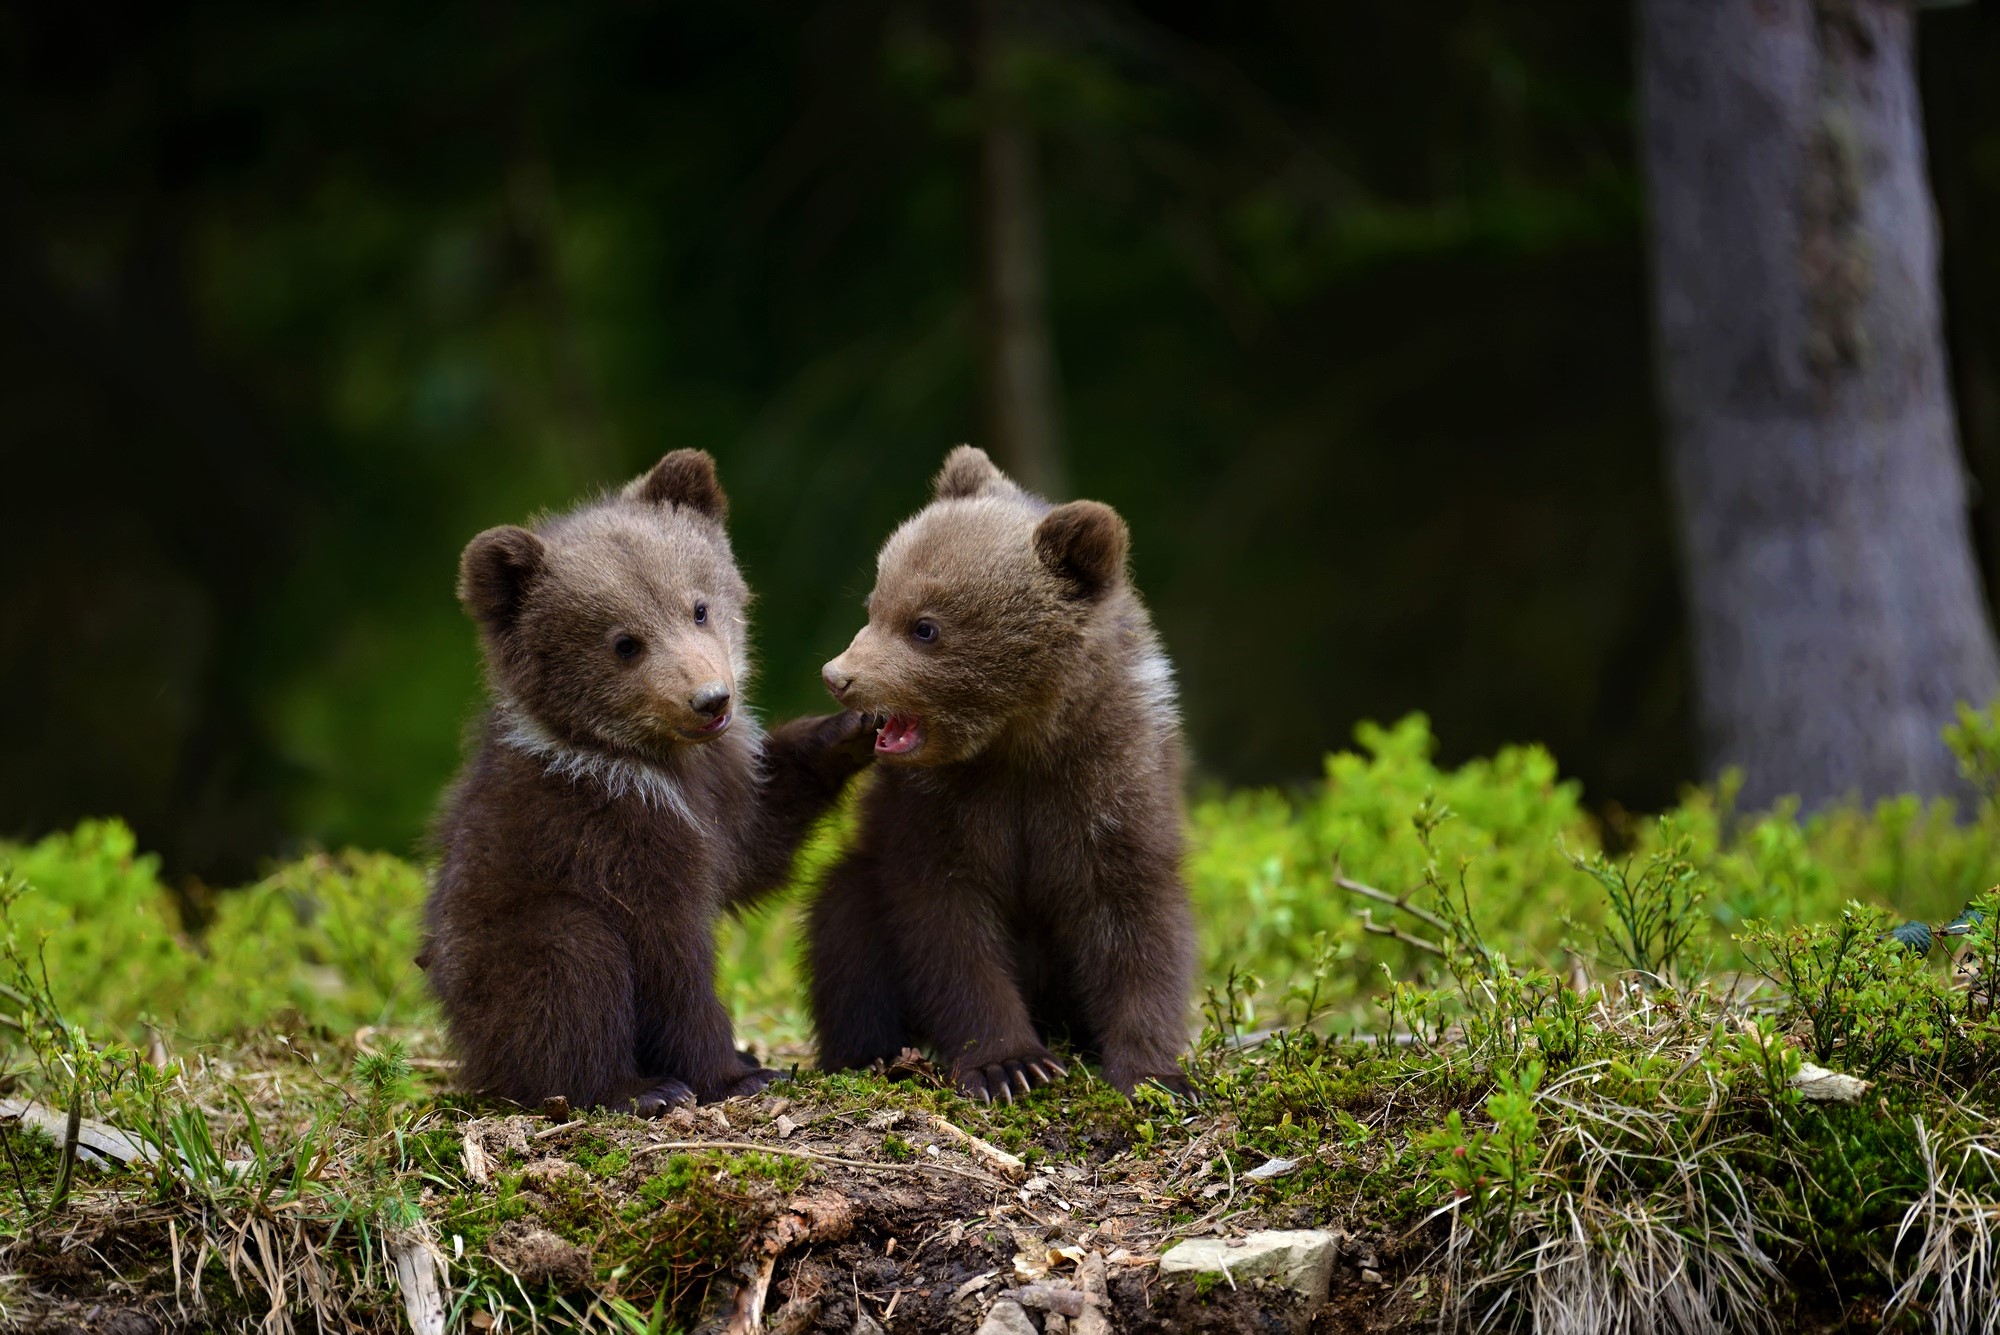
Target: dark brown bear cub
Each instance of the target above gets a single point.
(1017, 871)
(619, 800)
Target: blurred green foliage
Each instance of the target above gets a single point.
(329, 941)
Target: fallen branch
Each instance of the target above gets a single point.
(95, 1141)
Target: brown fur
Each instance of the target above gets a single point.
(599, 829)
(1017, 875)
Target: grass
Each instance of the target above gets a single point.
(1548, 1079)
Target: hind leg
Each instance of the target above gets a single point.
(543, 1006)
(851, 961)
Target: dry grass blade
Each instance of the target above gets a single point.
(1956, 1268)
(1631, 1225)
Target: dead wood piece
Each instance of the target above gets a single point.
(746, 1313)
(416, 1278)
(986, 1152)
(95, 1141)
(795, 1317)
(478, 1164)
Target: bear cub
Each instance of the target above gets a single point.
(618, 800)
(1016, 875)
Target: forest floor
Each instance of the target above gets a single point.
(851, 1203)
(340, 1186)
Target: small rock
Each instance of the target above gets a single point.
(785, 1126)
(778, 1107)
(1059, 1298)
(1371, 1277)
(865, 1324)
(127, 1323)
(973, 1285)
(1271, 1168)
(1007, 1318)
(1299, 1259)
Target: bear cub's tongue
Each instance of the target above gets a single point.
(900, 734)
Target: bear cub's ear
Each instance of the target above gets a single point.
(685, 478)
(496, 572)
(968, 472)
(1084, 542)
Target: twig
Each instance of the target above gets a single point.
(1368, 924)
(751, 1147)
(1394, 901)
(992, 1155)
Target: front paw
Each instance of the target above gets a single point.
(989, 1077)
(751, 1082)
(662, 1098)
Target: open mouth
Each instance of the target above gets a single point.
(899, 735)
(715, 727)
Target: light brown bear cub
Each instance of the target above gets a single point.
(1017, 871)
(619, 799)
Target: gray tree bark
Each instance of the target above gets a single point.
(1836, 609)
(1017, 357)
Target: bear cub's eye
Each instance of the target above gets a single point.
(701, 614)
(925, 630)
(627, 648)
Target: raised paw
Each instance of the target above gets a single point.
(1002, 1079)
(663, 1098)
(852, 737)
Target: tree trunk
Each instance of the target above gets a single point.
(1018, 365)
(1837, 613)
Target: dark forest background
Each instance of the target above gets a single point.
(1347, 303)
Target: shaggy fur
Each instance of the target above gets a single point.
(1017, 872)
(619, 799)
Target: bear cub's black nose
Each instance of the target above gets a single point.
(711, 699)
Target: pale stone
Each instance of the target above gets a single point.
(1008, 1318)
(1300, 1259)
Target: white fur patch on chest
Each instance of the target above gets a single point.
(619, 777)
